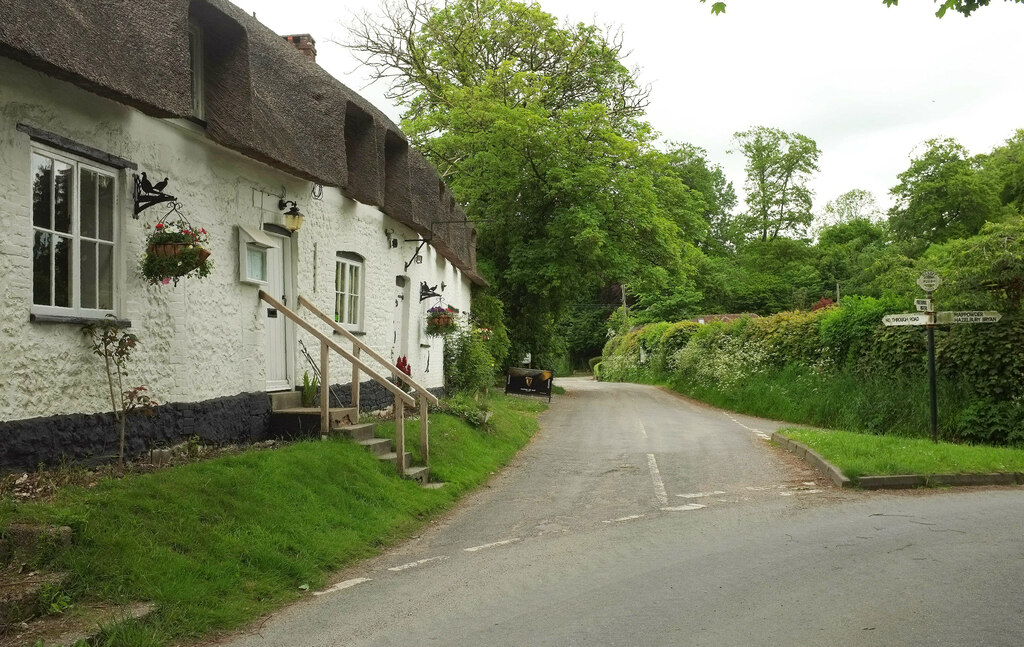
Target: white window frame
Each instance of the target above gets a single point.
(196, 56)
(343, 291)
(78, 164)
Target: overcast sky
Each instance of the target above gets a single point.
(868, 83)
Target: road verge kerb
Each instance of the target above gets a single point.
(893, 481)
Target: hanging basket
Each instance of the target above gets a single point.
(174, 250)
(440, 324)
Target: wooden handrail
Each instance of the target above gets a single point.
(304, 302)
(398, 393)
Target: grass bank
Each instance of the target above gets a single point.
(216, 544)
(888, 405)
(872, 455)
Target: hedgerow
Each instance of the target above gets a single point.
(843, 355)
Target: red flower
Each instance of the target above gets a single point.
(159, 225)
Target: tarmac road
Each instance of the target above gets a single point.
(637, 517)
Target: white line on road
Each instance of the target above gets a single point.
(684, 508)
(643, 429)
(659, 486)
(491, 545)
(629, 518)
(342, 585)
(697, 495)
(417, 563)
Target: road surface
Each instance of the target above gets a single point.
(638, 517)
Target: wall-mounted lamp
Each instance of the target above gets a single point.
(292, 217)
(392, 241)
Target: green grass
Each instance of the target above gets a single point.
(872, 455)
(216, 544)
(882, 405)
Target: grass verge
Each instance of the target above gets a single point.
(218, 543)
(873, 455)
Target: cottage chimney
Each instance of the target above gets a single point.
(304, 43)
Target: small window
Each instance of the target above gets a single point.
(74, 226)
(348, 291)
(195, 52)
(252, 256)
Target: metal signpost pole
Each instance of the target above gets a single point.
(927, 316)
(930, 326)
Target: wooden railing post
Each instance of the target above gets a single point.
(355, 381)
(400, 434)
(424, 431)
(325, 390)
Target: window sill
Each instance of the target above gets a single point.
(357, 333)
(81, 321)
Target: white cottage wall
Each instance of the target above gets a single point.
(204, 338)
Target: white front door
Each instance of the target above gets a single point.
(399, 319)
(279, 352)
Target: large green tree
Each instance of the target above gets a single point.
(779, 166)
(536, 127)
(943, 194)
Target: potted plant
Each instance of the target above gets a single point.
(175, 250)
(441, 321)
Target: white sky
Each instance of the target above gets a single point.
(868, 83)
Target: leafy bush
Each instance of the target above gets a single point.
(468, 367)
(463, 406)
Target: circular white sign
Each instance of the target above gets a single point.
(929, 281)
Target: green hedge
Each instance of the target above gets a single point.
(983, 365)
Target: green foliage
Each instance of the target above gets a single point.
(466, 408)
(838, 367)
(779, 166)
(944, 194)
(468, 367)
(489, 315)
(310, 388)
(536, 127)
(965, 7)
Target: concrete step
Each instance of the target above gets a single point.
(25, 542)
(420, 473)
(392, 457)
(19, 595)
(285, 400)
(364, 431)
(376, 446)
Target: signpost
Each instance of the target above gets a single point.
(907, 319)
(929, 318)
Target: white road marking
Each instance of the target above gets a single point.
(342, 585)
(417, 563)
(643, 429)
(491, 545)
(684, 508)
(629, 518)
(659, 486)
(755, 489)
(697, 495)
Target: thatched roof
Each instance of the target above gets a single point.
(264, 98)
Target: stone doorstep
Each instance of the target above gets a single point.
(894, 481)
(80, 622)
(22, 540)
